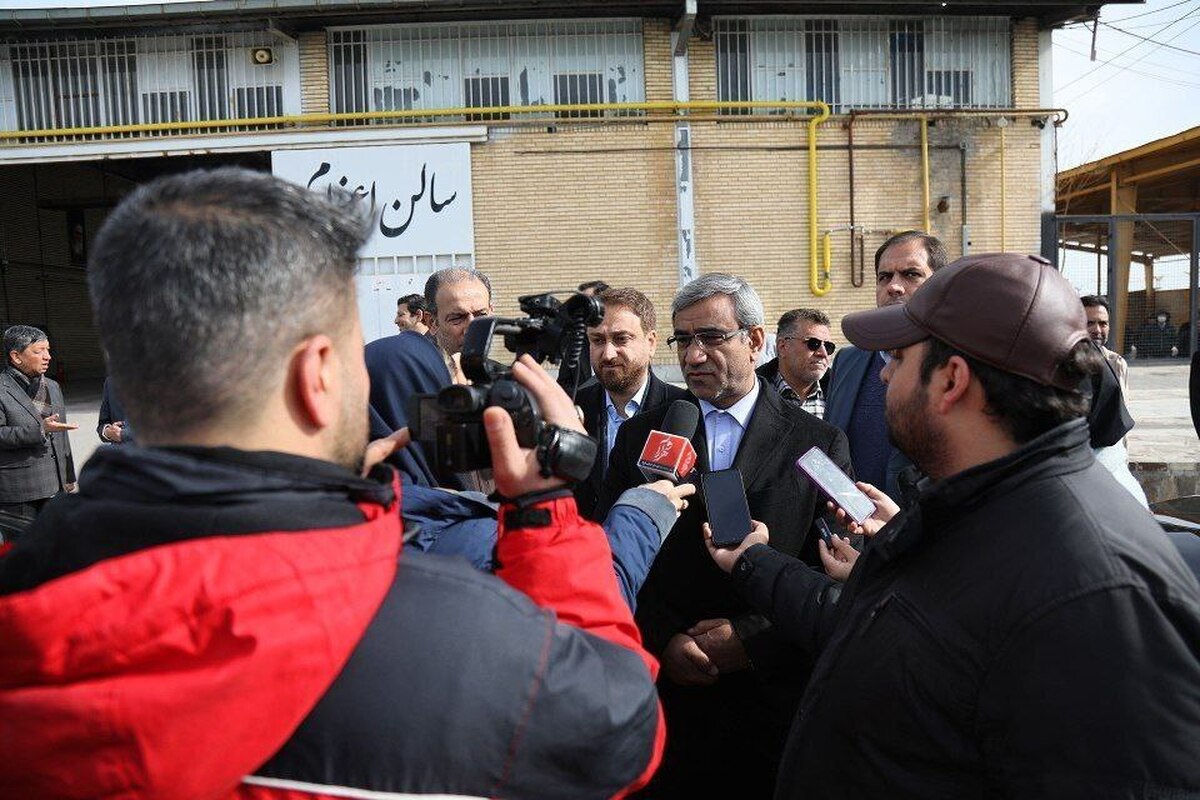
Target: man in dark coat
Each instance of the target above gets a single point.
(621, 348)
(1025, 629)
(35, 451)
(728, 690)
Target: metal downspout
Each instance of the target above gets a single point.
(685, 203)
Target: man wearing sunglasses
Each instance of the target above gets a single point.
(804, 353)
(856, 393)
(729, 686)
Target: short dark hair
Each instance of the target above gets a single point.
(18, 337)
(789, 321)
(935, 251)
(202, 282)
(1024, 408)
(412, 303)
(1094, 300)
(596, 286)
(635, 301)
(444, 277)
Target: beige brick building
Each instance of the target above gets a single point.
(554, 201)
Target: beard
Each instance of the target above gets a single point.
(912, 429)
(620, 377)
(350, 440)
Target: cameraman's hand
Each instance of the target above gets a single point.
(516, 470)
(380, 449)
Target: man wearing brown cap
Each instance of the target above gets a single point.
(1025, 629)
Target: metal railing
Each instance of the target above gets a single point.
(866, 62)
(484, 65)
(110, 83)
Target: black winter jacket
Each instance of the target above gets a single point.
(1025, 631)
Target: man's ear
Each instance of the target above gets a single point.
(313, 374)
(949, 383)
(652, 338)
(758, 337)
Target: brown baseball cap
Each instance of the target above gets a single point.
(1013, 312)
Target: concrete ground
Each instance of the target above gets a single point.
(1158, 401)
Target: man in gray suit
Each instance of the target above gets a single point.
(35, 453)
(855, 400)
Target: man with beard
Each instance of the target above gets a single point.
(728, 688)
(855, 401)
(621, 348)
(1025, 629)
(227, 608)
(1096, 308)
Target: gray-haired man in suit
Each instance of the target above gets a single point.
(35, 453)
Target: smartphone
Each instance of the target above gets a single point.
(836, 484)
(728, 511)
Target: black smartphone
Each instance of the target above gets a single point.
(728, 511)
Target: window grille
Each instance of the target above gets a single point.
(485, 65)
(145, 79)
(866, 62)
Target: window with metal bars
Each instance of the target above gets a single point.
(77, 83)
(865, 62)
(486, 65)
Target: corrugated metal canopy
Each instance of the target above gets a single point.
(308, 14)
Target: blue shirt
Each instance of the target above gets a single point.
(614, 419)
(724, 428)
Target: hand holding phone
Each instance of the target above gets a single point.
(728, 511)
(836, 484)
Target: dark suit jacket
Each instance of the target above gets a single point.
(33, 466)
(111, 411)
(744, 715)
(845, 379)
(591, 400)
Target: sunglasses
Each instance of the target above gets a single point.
(814, 344)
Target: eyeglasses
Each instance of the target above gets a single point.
(814, 344)
(708, 340)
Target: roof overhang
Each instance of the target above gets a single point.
(72, 15)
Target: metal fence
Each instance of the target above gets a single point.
(1146, 266)
(866, 62)
(413, 67)
(85, 83)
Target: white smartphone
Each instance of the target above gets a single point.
(836, 484)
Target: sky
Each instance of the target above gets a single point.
(1135, 91)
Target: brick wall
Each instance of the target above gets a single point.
(557, 206)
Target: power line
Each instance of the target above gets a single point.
(1135, 61)
(1155, 11)
(1157, 77)
(1148, 39)
(1137, 44)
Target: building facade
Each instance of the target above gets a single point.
(639, 143)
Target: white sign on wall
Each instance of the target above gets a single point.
(419, 200)
(419, 195)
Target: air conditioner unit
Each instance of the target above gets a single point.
(932, 101)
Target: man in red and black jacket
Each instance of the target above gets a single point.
(226, 608)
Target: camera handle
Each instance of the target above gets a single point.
(573, 353)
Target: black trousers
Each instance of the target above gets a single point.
(15, 518)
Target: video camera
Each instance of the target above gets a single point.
(451, 421)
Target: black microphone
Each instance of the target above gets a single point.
(668, 452)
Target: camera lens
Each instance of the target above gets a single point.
(461, 399)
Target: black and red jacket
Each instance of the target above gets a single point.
(213, 623)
